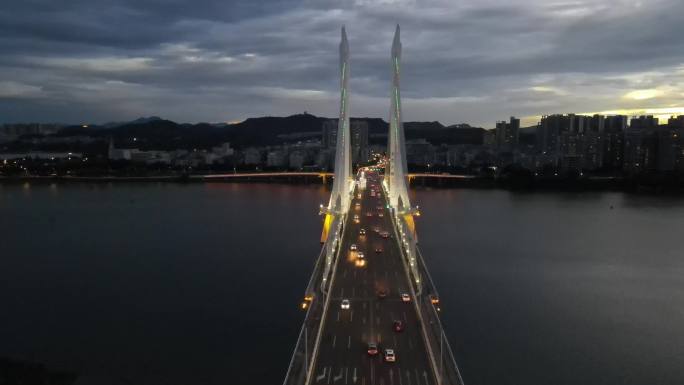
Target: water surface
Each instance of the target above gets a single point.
(177, 284)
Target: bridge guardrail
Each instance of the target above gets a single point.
(299, 363)
(447, 371)
(316, 299)
(428, 303)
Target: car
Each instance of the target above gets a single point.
(359, 255)
(357, 205)
(382, 293)
(434, 299)
(356, 218)
(397, 326)
(390, 356)
(344, 304)
(362, 231)
(353, 247)
(369, 214)
(384, 234)
(376, 229)
(372, 349)
(380, 214)
(378, 250)
(405, 297)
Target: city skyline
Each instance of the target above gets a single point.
(473, 63)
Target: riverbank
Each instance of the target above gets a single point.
(656, 185)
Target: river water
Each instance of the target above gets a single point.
(200, 283)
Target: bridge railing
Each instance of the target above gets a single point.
(428, 303)
(301, 357)
(315, 300)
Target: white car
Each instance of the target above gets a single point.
(353, 247)
(345, 304)
(405, 297)
(360, 255)
(389, 355)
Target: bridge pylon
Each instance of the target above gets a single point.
(396, 171)
(343, 183)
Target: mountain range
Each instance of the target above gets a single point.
(158, 133)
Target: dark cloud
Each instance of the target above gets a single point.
(214, 60)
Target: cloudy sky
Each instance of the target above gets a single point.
(474, 61)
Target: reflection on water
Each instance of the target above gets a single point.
(559, 288)
(177, 284)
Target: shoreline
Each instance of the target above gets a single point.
(417, 181)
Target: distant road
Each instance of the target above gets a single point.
(209, 177)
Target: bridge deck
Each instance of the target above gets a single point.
(342, 355)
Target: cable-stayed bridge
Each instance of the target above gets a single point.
(372, 310)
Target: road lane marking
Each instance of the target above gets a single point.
(329, 371)
(349, 342)
(399, 374)
(339, 376)
(426, 378)
(351, 316)
(321, 376)
(417, 376)
(346, 374)
(405, 319)
(408, 377)
(391, 374)
(338, 316)
(334, 340)
(354, 376)
(363, 320)
(364, 304)
(353, 292)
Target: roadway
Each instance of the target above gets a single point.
(342, 354)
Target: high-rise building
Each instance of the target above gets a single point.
(572, 142)
(329, 134)
(359, 141)
(359, 138)
(641, 145)
(507, 134)
(671, 145)
(613, 141)
(591, 137)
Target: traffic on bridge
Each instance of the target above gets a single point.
(371, 306)
(371, 331)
